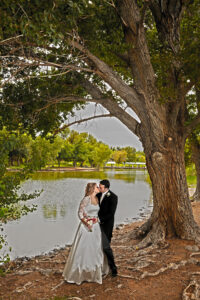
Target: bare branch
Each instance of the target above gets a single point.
(81, 121)
(67, 99)
(112, 106)
(44, 63)
(113, 79)
(10, 39)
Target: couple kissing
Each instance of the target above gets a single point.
(91, 256)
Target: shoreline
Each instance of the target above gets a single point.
(56, 169)
(118, 227)
(74, 169)
(134, 221)
(55, 251)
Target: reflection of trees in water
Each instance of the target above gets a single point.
(132, 177)
(150, 201)
(128, 176)
(51, 210)
(63, 210)
(71, 174)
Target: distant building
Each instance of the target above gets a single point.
(110, 163)
(128, 164)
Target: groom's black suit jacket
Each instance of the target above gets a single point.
(107, 211)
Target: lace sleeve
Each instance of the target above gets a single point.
(81, 211)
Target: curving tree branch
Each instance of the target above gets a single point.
(81, 121)
(112, 106)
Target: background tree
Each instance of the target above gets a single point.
(92, 147)
(54, 149)
(101, 154)
(131, 153)
(66, 152)
(80, 147)
(119, 156)
(11, 200)
(119, 54)
(21, 149)
(40, 153)
(140, 156)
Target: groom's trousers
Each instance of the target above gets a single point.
(108, 251)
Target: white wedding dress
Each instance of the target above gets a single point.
(86, 261)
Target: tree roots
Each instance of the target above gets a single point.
(152, 235)
(192, 291)
(155, 233)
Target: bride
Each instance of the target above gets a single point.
(86, 261)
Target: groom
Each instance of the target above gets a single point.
(108, 204)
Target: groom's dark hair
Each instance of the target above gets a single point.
(106, 183)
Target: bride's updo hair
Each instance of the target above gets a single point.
(90, 188)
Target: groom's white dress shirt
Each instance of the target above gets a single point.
(102, 196)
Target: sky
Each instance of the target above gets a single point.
(108, 130)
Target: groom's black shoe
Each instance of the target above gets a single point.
(114, 272)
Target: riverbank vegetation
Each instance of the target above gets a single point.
(11, 200)
(67, 149)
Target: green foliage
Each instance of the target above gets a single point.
(101, 153)
(10, 194)
(79, 147)
(31, 98)
(4, 258)
(36, 104)
(190, 42)
(10, 183)
(45, 31)
(188, 153)
(43, 152)
(140, 156)
(131, 153)
(119, 156)
(84, 149)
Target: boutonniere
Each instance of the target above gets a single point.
(108, 194)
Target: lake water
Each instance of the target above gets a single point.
(54, 223)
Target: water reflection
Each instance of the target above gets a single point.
(126, 175)
(71, 174)
(52, 210)
(55, 221)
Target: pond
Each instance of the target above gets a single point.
(54, 223)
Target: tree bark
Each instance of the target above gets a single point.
(172, 213)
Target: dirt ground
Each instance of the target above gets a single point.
(168, 272)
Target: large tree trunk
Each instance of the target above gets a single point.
(196, 159)
(172, 213)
